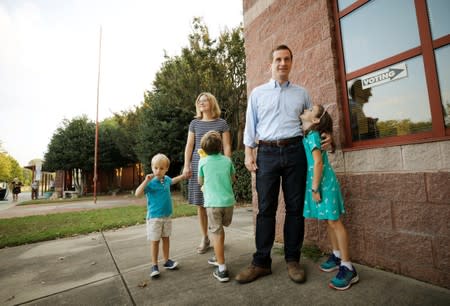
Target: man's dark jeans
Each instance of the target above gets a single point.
(289, 164)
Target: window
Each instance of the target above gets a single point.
(398, 107)
(443, 68)
(395, 64)
(378, 30)
(345, 3)
(438, 11)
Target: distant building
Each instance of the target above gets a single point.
(43, 178)
(109, 181)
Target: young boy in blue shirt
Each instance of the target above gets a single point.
(156, 188)
(216, 173)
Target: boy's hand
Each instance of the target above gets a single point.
(149, 177)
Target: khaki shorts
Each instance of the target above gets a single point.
(158, 227)
(218, 217)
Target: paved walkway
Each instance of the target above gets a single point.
(112, 268)
(9, 209)
(8, 202)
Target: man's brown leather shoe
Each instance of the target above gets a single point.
(295, 272)
(251, 273)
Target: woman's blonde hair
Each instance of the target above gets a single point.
(215, 109)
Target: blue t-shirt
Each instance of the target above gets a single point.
(159, 201)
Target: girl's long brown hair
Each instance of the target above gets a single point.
(325, 124)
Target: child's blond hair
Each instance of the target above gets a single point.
(161, 158)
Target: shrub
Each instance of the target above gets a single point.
(184, 188)
(243, 185)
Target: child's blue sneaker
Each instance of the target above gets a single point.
(222, 276)
(154, 272)
(170, 264)
(331, 264)
(344, 279)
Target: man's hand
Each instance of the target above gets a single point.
(250, 159)
(327, 142)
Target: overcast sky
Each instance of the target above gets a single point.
(49, 59)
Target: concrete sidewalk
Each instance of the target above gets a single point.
(112, 268)
(11, 209)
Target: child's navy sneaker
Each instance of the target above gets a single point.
(331, 264)
(222, 276)
(154, 272)
(170, 264)
(213, 261)
(344, 279)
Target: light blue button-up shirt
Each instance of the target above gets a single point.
(273, 112)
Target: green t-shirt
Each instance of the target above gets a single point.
(216, 171)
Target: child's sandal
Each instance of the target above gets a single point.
(203, 247)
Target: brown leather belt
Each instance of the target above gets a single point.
(280, 142)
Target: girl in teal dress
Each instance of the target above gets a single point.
(323, 198)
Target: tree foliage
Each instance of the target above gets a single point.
(242, 187)
(5, 168)
(163, 126)
(10, 168)
(125, 134)
(72, 146)
(216, 66)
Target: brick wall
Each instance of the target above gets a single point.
(396, 221)
(397, 198)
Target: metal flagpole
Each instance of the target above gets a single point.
(96, 119)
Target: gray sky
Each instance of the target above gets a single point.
(49, 59)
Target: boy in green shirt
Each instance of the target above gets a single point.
(216, 174)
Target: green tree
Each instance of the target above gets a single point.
(109, 155)
(125, 135)
(10, 168)
(231, 54)
(72, 146)
(5, 168)
(206, 65)
(163, 126)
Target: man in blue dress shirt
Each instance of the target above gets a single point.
(273, 129)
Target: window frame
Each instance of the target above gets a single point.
(426, 50)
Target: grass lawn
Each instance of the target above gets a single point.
(23, 230)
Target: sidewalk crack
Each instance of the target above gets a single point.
(118, 270)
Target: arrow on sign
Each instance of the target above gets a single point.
(384, 77)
